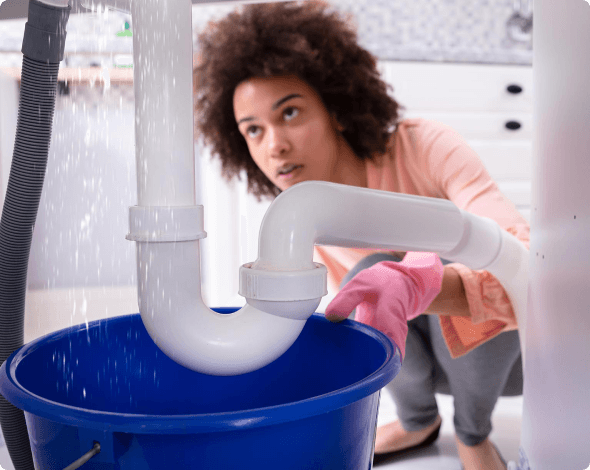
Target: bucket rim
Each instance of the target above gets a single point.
(29, 402)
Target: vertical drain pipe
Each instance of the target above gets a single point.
(43, 47)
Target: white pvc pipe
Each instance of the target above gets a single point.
(351, 216)
(556, 396)
(162, 74)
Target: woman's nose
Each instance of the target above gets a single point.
(278, 142)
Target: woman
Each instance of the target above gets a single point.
(285, 94)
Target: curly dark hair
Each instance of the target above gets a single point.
(308, 40)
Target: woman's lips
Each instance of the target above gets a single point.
(294, 172)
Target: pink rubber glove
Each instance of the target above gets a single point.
(389, 294)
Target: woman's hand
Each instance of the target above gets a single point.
(388, 294)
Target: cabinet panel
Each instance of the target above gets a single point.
(459, 87)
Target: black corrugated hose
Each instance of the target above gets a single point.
(43, 48)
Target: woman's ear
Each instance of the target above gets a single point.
(339, 127)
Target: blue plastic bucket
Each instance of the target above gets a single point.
(313, 408)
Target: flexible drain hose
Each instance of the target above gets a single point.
(43, 46)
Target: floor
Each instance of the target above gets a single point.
(4, 458)
(442, 455)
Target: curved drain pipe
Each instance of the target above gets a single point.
(173, 312)
(283, 287)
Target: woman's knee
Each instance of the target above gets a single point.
(367, 262)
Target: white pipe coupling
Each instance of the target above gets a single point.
(480, 243)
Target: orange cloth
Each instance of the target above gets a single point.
(427, 158)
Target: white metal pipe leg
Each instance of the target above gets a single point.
(556, 414)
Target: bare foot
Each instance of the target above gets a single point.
(392, 437)
(480, 456)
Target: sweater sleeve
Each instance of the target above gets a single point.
(461, 177)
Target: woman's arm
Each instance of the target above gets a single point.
(451, 300)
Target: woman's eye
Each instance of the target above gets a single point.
(290, 113)
(253, 131)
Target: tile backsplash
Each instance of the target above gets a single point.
(440, 30)
(467, 31)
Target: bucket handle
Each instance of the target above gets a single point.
(85, 458)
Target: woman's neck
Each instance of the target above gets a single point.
(351, 169)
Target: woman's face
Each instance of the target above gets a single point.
(291, 135)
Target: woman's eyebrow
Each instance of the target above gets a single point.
(284, 99)
(249, 118)
(274, 106)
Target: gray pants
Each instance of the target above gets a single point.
(475, 380)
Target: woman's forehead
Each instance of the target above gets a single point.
(273, 84)
(269, 92)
